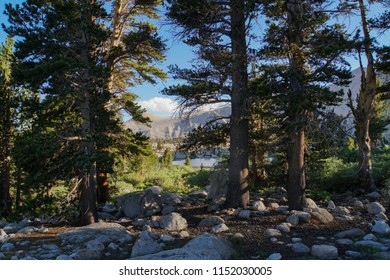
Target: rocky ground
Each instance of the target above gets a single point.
(156, 225)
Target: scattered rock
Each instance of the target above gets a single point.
(341, 210)
(374, 208)
(7, 247)
(374, 195)
(86, 254)
(173, 222)
(2, 256)
(358, 204)
(344, 241)
(372, 244)
(211, 221)
(325, 252)
(2, 233)
(381, 227)
(353, 254)
(370, 236)
(350, 233)
(309, 203)
(300, 248)
(284, 227)
(275, 256)
(244, 214)
(203, 247)
(219, 228)
(382, 255)
(145, 203)
(322, 215)
(381, 217)
(145, 245)
(298, 216)
(272, 232)
(259, 206)
(64, 258)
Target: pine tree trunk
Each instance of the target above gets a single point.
(238, 193)
(103, 187)
(88, 187)
(296, 182)
(366, 98)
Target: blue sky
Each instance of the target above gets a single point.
(178, 53)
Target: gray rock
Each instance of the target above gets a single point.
(3, 224)
(145, 245)
(50, 247)
(167, 238)
(300, 248)
(381, 227)
(341, 210)
(353, 254)
(28, 258)
(173, 222)
(358, 204)
(275, 256)
(145, 203)
(244, 214)
(350, 233)
(298, 216)
(86, 254)
(203, 247)
(96, 245)
(259, 206)
(309, 203)
(7, 247)
(325, 252)
(322, 215)
(344, 241)
(109, 208)
(374, 195)
(168, 209)
(381, 217)
(3, 233)
(282, 209)
(284, 227)
(106, 216)
(15, 227)
(370, 236)
(296, 239)
(211, 221)
(201, 194)
(374, 208)
(184, 234)
(64, 258)
(219, 228)
(106, 232)
(216, 203)
(2, 256)
(272, 232)
(154, 190)
(372, 244)
(331, 205)
(29, 229)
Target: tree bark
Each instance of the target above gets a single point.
(368, 90)
(238, 193)
(296, 182)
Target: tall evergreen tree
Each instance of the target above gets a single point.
(72, 53)
(8, 104)
(305, 56)
(220, 28)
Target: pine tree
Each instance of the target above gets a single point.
(219, 30)
(305, 55)
(8, 104)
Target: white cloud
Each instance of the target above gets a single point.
(159, 105)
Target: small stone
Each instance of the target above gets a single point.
(381, 217)
(244, 214)
(273, 205)
(309, 203)
(27, 230)
(370, 236)
(211, 221)
(374, 195)
(86, 254)
(372, 244)
(322, 215)
(300, 248)
(374, 208)
(184, 234)
(341, 210)
(168, 209)
(331, 205)
(298, 216)
(173, 222)
(275, 256)
(259, 206)
(96, 245)
(50, 247)
(282, 209)
(272, 232)
(296, 239)
(353, 254)
(219, 228)
(167, 238)
(7, 247)
(351, 233)
(381, 227)
(284, 227)
(344, 241)
(326, 252)
(358, 204)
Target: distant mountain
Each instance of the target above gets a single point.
(174, 127)
(168, 128)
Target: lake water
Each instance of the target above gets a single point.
(198, 162)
